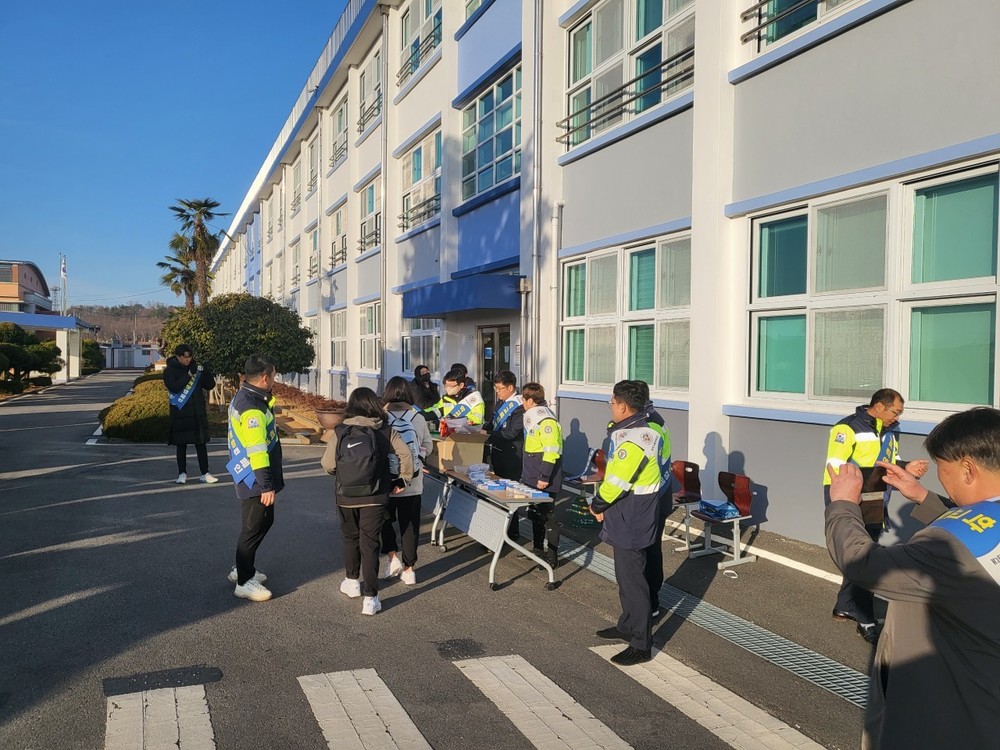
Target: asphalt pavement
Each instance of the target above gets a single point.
(115, 582)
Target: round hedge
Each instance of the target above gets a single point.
(142, 416)
(147, 377)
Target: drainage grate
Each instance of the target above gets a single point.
(820, 670)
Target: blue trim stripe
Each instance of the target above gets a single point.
(368, 177)
(663, 112)
(409, 286)
(336, 307)
(514, 183)
(418, 76)
(497, 265)
(368, 254)
(987, 145)
(365, 299)
(311, 282)
(636, 235)
(505, 63)
(471, 20)
(659, 403)
(813, 38)
(295, 240)
(417, 135)
(419, 229)
(311, 225)
(336, 204)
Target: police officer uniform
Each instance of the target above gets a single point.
(542, 462)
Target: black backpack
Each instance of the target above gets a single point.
(362, 461)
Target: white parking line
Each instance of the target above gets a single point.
(722, 712)
(162, 718)
(544, 713)
(356, 710)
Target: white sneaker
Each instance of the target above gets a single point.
(235, 578)
(208, 478)
(409, 577)
(351, 587)
(252, 590)
(371, 605)
(391, 567)
(182, 478)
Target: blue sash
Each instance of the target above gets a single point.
(239, 461)
(464, 407)
(179, 399)
(507, 408)
(977, 527)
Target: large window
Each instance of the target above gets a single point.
(768, 22)
(296, 203)
(338, 245)
(421, 181)
(295, 253)
(370, 89)
(314, 259)
(371, 216)
(6, 273)
(624, 58)
(371, 333)
(491, 136)
(313, 165)
(626, 315)
(422, 344)
(894, 285)
(338, 146)
(338, 339)
(420, 26)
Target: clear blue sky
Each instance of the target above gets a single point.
(110, 110)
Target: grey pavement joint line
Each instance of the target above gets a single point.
(356, 711)
(542, 711)
(725, 714)
(820, 670)
(159, 719)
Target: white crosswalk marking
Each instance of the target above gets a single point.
(356, 709)
(728, 716)
(543, 712)
(159, 719)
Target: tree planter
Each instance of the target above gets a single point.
(329, 418)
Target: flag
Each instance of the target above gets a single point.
(62, 267)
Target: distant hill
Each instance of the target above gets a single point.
(122, 322)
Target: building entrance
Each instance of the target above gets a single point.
(494, 355)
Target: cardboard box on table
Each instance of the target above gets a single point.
(458, 449)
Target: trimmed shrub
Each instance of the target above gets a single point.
(40, 380)
(89, 370)
(144, 415)
(11, 386)
(146, 378)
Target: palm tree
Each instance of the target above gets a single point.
(194, 215)
(179, 274)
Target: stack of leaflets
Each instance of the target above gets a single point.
(723, 510)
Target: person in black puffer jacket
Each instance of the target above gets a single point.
(189, 421)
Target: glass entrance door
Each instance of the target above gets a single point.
(494, 355)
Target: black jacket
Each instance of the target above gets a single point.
(190, 424)
(504, 447)
(425, 395)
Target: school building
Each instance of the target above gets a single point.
(767, 210)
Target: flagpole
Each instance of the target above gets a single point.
(62, 277)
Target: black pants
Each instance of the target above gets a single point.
(544, 525)
(201, 449)
(654, 554)
(852, 598)
(635, 622)
(257, 520)
(362, 530)
(406, 511)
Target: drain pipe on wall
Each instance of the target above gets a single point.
(536, 188)
(383, 200)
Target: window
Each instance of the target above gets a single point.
(338, 148)
(269, 217)
(371, 217)
(891, 285)
(471, 6)
(6, 273)
(296, 188)
(421, 35)
(371, 332)
(421, 180)
(338, 339)
(313, 165)
(625, 58)
(637, 328)
(774, 20)
(491, 136)
(314, 259)
(421, 343)
(295, 263)
(338, 246)
(370, 86)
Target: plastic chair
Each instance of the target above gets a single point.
(689, 496)
(738, 491)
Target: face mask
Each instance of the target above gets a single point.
(424, 377)
(452, 390)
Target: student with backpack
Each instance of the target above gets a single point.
(404, 508)
(371, 462)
